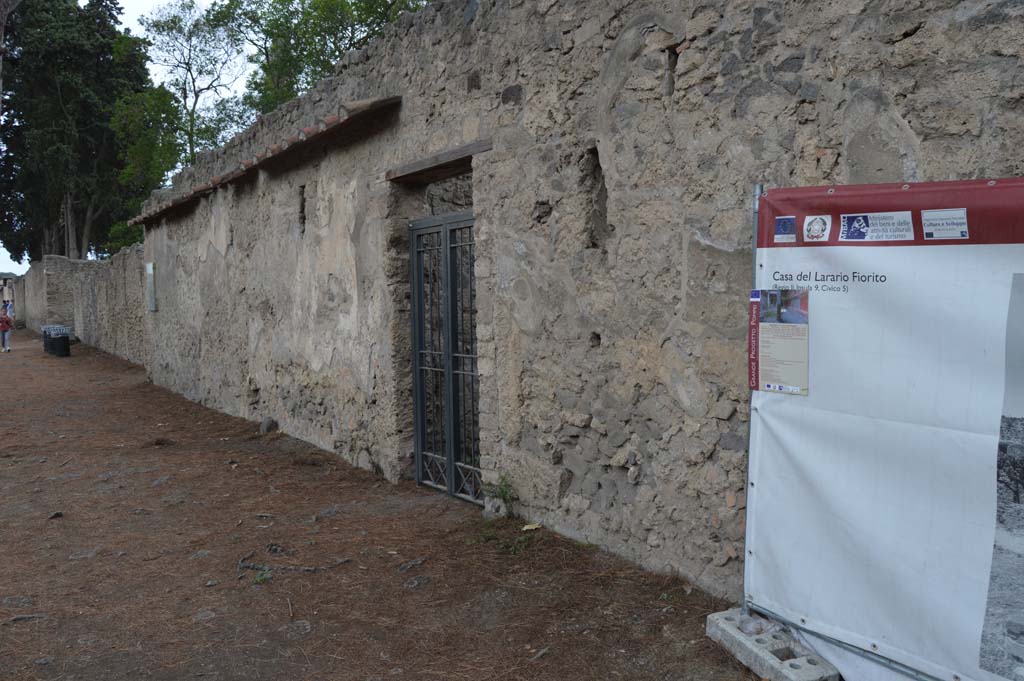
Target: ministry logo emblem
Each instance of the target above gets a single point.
(855, 227)
(817, 227)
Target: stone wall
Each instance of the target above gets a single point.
(612, 236)
(109, 305)
(102, 302)
(19, 298)
(31, 305)
(272, 299)
(61, 275)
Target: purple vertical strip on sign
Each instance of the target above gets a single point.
(752, 331)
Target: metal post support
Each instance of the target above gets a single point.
(758, 190)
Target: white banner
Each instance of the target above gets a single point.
(875, 514)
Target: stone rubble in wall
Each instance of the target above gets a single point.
(612, 390)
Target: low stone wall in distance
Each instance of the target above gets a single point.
(109, 304)
(19, 301)
(101, 301)
(30, 305)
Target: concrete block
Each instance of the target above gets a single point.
(767, 648)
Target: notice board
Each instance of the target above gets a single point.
(885, 501)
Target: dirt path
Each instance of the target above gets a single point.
(190, 547)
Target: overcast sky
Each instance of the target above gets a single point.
(133, 9)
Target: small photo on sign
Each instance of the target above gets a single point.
(785, 230)
(778, 341)
(783, 307)
(817, 228)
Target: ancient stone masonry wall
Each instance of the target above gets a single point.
(101, 302)
(49, 292)
(20, 306)
(31, 303)
(61, 278)
(612, 235)
(271, 302)
(110, 307)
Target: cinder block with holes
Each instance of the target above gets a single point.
(769, 650)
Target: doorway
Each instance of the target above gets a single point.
(446, 387)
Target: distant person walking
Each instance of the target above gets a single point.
(6, 324)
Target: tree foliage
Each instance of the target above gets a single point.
(292, 44)
(202, 64)
(145, 124)
(85, 135)
(66, 173)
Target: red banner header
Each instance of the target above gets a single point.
(925, 214)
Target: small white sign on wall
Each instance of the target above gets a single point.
(150, 288)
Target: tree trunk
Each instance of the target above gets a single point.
(90, 217)
(190, 133)
(86, 229)
(6, 8)
(49, 242)
(70, 233)
(3, 51)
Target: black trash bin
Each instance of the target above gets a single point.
(61, 346)
(57, 340)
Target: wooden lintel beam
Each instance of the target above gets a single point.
(439, 166)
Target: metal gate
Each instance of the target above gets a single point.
(445, 383)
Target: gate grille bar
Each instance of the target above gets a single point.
(446, 383)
